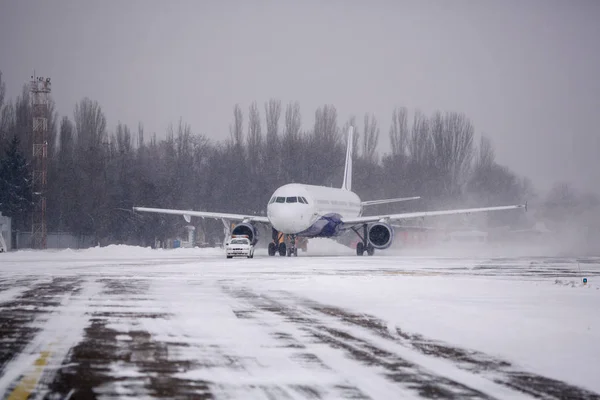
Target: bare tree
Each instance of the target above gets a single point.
(272, 148)
(420, 144)
(291, 143)
(255, 159)
(7, 117)
(272, 114)
(461, 133)
(63, 196)
(482, 183)
(326, 124)
(254, 133)
(53, 125)
(492, 184)
(370, 139)
(399, 131)
(3, 122)
(441, 143)
(90, 124)
(486, 156)
(122, 139)
(236, 131)
(91, 167)
(23, 124)
(2, 91)
(140, 141)
(452, 136)
(66, 140)
(293, 120)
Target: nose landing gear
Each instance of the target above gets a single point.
(277, 245)
(292, 249)
(285, 245)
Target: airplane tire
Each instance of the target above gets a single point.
(282, 249)
(360, 249)
(370, 250)
(272, 249)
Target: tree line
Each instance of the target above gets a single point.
(96, 173)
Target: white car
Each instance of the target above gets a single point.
(239, 246)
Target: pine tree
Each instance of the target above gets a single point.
(15, 185)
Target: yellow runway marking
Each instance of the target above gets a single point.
(28, 383)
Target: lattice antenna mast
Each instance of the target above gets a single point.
(40, 93)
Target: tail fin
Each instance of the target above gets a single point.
(347, 184)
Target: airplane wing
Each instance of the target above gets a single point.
(349, 222)
(385, 201)
(417, 227)
(203, 214)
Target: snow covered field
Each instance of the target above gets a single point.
(130, 322)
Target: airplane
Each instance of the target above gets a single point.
(301, 210)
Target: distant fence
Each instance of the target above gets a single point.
(54, 240)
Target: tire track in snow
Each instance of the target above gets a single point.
(21, 317)
(113, 363)
(404, 373)
(55, 334)
(104, 364)
(498, 370)
(11, 289)
(301, 353)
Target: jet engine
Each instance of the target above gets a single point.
(246, 229)
(381, 235)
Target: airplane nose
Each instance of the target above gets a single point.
(287, 220)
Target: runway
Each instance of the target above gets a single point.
(127, 322)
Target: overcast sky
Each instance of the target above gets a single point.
(526, 72)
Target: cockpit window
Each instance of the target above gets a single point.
(291, 199)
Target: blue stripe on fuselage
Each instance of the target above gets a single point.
(326, 226)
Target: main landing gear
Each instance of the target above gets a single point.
(364, 244)
(273, 248)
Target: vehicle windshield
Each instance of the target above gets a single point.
(239, 241)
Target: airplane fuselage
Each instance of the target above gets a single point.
(311, 211)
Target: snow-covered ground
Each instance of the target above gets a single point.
(130, 322)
